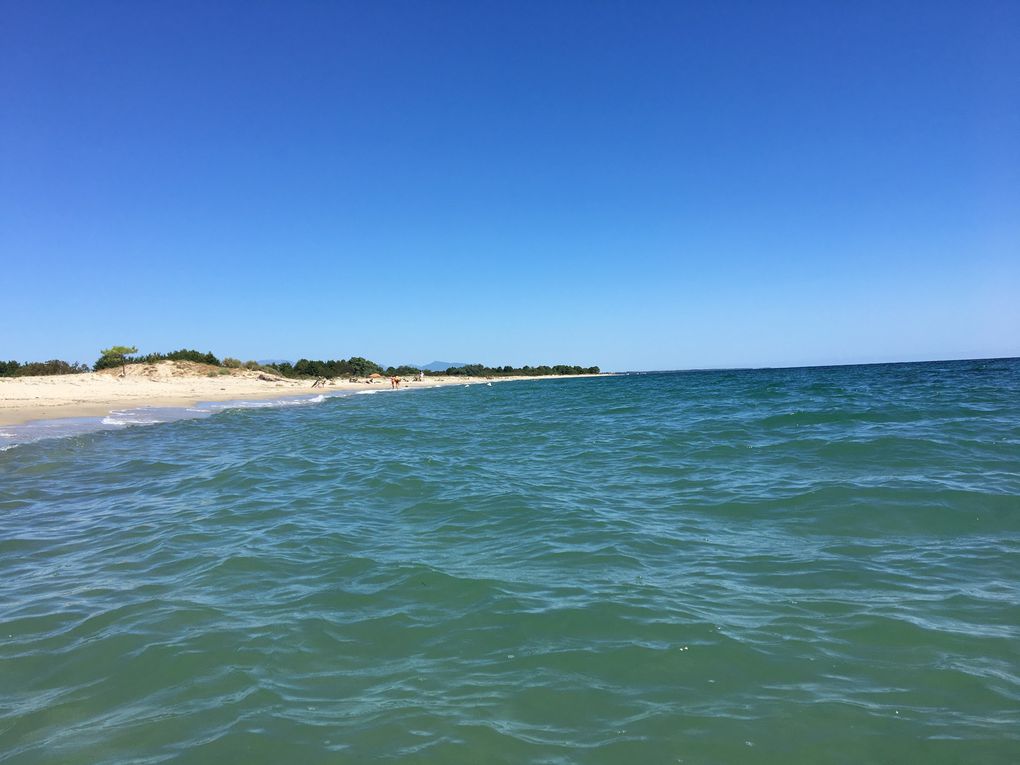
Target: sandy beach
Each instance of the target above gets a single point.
(168, 383)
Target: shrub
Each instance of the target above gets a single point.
(185, 354)
(40, 368)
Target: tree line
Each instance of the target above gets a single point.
(356, 366)
(40, 368)
(119, 355)
(479, 370)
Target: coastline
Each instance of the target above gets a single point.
(25, 400)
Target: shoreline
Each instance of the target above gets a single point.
(27, 400)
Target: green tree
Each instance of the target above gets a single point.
(362, 367)
(117, 354)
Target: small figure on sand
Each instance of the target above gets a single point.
(394, 382)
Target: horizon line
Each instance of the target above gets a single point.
(817, 366)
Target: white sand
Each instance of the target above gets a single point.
(167, 383)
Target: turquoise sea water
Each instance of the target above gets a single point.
(788, 566)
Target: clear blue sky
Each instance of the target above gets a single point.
(637, 185)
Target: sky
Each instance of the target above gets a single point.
(637, 185)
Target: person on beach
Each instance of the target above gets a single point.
(394, 382)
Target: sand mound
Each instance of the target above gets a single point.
(169, 370)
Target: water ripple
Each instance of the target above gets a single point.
(764, 566)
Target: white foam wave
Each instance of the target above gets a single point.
(254, 404)
(275, 403)
(125, 418)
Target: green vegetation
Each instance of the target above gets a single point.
(354, 367)
(40, 368)
(479, 370)
(106, 361)
(404, 371)
(115, 356)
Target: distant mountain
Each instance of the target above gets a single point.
(442, 366)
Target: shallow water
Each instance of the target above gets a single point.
(787, 566)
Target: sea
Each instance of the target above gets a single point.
(816, 565)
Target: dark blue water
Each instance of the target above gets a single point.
(787, 566)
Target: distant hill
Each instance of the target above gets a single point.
(442, 366)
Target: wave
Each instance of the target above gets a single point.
(129, 417)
